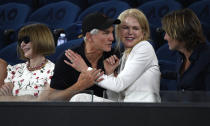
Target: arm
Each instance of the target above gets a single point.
(18, 98)
(137, 63)
(85, 80)
(77, 62)
(3, 71)
(6, 94)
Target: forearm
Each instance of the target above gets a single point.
(112, 83)
(3, 71)
(60, 95)
(18, 98)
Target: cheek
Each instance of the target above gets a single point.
(140, 35)
(122, 33)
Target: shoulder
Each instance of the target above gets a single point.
(205, 51)
(19, 65)
(79, 48)
(143, 46)
(50, 64)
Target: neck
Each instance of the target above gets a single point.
(92, 54)
(186, 53)
(36, 61)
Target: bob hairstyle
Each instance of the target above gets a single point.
(41, 38)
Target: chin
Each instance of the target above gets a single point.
(171, 48)
(107, 50)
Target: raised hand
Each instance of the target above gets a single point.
(110, 64)
(76, 61)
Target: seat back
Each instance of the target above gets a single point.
(109, 8)
(202, 10)
(167, 60)
(60, 49)
(73, 31)
(33, 4)
(81, 3)
(155, 10)
(12, 15)
(56, 15)
(9, 54)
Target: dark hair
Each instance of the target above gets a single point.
(183, 25)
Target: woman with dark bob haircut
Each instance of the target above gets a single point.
(35, 41)
(183, 31)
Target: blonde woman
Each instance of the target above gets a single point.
(138, 78)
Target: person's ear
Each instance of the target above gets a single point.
(88, 36)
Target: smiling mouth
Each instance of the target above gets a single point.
(129, 39)
(26, 49)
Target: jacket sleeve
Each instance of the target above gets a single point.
(137, 63)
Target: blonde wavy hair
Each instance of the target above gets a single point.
(142, 19)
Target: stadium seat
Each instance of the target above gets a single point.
(92, 2)
(9, 54)
(156, 9)
(33, 4)
(81, 3)
(186, 3)
(60, 49)
(12, 16)
(202, 10)
(109, 8)
(73, 31)
(56, 15)
(167, 61)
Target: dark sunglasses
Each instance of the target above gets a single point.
(25, 39)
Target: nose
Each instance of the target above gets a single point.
(165, 36)
(111, 37)
(22, 44)
(130, 31)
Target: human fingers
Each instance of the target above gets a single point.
(69, 56)
(117, 60)
(73, 54)
(115, 57)
(99, 77)
(68, 63)
(11, 85)
(4, 90)
(112, 58)
(1, 92)
(109, 61)
(9, 88)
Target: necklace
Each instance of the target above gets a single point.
(41, 65)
